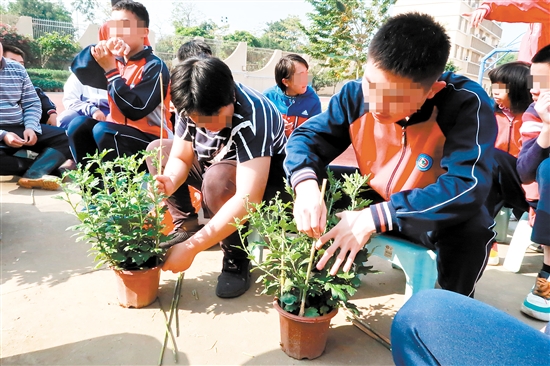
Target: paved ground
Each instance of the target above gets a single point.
(57, 310)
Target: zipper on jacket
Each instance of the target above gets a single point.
(403, 149)
(511, 123)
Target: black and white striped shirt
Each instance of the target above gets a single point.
(257, 130)
(19, 103)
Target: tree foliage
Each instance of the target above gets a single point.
(88, 8)
(206, 29)
(285, 34)
(9, 36)
(450, 66)
(243, 36)
(341, 31)
(57, 50)
(40, 9)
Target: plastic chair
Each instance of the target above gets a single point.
(502, 221)
(519, 244)
(417, 262)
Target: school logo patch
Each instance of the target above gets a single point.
(424, 162)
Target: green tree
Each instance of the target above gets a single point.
(57, 50)
(321, 77)
(341, 30)
(9, 35)
(450, 66)
(40, 9)
(88, 8)
(206, 29)
(285, 34)
(509, 57)
(243, 36)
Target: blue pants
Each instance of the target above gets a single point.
(438, 327)
(541, 227)
(86, 136)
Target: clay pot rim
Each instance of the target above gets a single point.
(304, 319)
(132, 271)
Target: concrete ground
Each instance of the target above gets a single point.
(58, 310)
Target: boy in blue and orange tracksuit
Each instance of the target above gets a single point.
(131, 74)
(427, 141)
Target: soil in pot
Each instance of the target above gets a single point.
(137, 289)
(303, 337)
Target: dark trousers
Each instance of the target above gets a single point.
(217, 185)
(541, 227)
(462, 249)
(87, 135)
(53, 137)
(506, 190)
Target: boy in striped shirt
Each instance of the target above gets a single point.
(20, 128)
(238, 138)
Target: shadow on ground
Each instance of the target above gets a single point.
(115, 349)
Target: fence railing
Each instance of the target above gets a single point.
(41, 27)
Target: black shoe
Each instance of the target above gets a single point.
(234, 279)
(182, 233)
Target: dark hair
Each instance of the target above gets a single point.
(411, 45)
(202, 86)
(192, 48)
(542, 56)
(15, 50)
(136, 8)
(285, 68)
(516, 77)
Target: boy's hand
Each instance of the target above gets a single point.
(180, 257)
(542, 106)
(118, 47)
(350, 235)
(30, 137)
(164, 185)
(310, 216)
(98, 115)
(477, 16)
(13, 140)
(103, 56)
(52, 121)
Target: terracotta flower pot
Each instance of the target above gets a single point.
(136, 289)
(303, 337)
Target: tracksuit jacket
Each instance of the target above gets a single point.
(433, 173)
(295, 110)
(133, 89)
(534, 12)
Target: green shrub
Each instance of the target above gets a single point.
(49, 80)
(9, 35)
(57, 50)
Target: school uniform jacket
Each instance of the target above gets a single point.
(508, 137)
(432, 172)
(133, 89)
(295, 110)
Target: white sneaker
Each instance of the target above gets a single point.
(537, 302)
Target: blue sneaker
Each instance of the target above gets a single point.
(537, 302)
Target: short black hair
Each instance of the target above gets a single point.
(14, 50)
(542, 56)
(193, 48)
(411, 45)
(134, 7)
(285, 68)
(202, 86)
(516, 77)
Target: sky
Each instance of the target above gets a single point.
(251, 15)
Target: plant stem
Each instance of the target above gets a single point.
(311, 256)
(168, 331)
(168, 322)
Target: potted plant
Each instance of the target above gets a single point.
(122, 220)
(306, 299)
